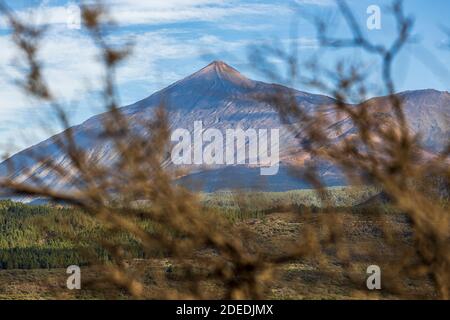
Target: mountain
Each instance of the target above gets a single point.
(223, 99)
(428, 113)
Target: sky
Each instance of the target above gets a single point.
(174, 38)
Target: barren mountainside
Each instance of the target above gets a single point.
(223, 98)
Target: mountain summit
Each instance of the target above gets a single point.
(216, 82)
(217, 68)
(219, 71)
(222, 98)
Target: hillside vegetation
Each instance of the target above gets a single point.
(47, 236)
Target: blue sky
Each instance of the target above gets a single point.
(174, 38)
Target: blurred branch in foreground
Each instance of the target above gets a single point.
(135, 197)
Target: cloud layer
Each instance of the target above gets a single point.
(161, 31)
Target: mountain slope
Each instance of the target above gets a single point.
(427, 113)
(224, 99)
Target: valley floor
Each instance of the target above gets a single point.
(295, 280)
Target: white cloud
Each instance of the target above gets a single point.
(137, 12)
(68, 61)
(316, 2)
(72, 71)
(70, 58)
